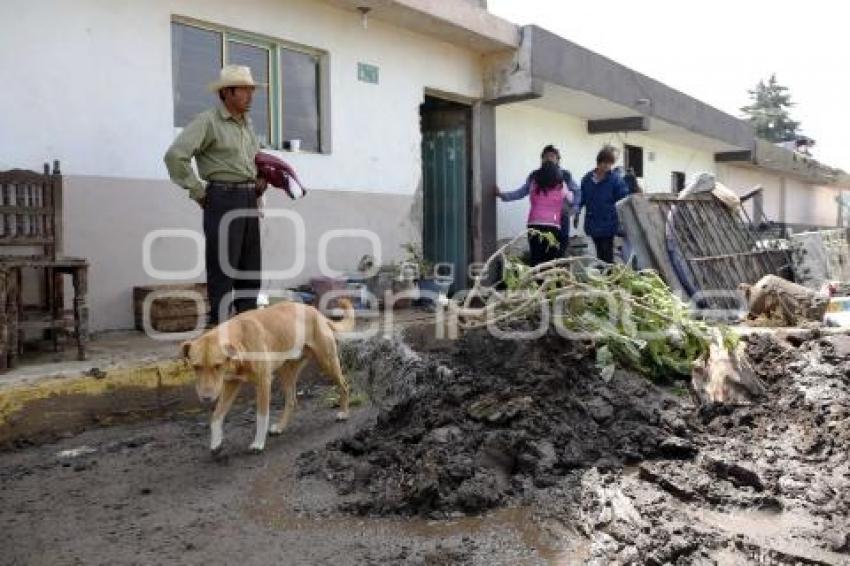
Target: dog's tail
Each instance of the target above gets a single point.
(348, 318)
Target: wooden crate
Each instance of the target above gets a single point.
(170, 312)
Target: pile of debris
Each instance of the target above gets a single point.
(484, 423)
(637, 468)
(770, 482)
(725, 433)
(773, 301)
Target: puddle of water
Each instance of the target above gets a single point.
(726, 557)
(272, 496)
(784, 531)
(755, 522)
(552, 542)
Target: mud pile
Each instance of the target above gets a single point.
(637, 470)
(485, 422)
(795, 444)
(770, 482)
(789, 450)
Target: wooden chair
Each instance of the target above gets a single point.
(31, 239)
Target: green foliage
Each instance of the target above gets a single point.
(769, 112)
(632, 317)
(637, 322)
(415, 257)
(730, 339)
(513, 272)
(550, 238)
(330, 398)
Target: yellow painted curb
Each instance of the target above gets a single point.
(168, 373)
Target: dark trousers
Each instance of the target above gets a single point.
(540, 248)
(239, 245)
(604, 249)
(564, 236)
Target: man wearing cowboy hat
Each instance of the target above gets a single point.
(223, 143)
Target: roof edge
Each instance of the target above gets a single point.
(562, 62)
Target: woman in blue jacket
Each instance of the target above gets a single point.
(601, 188)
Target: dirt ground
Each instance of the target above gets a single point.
(150, 493)
(526, 456)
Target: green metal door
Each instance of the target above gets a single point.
(445, 195)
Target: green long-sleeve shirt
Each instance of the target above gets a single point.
(223, 148)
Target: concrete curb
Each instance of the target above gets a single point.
(41, 408)
(45, 408)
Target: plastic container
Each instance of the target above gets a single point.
(430, 287)
(838, 312)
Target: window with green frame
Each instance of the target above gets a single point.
(288, 105)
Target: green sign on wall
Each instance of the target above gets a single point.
(367, 73)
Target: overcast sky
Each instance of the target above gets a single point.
(716, 50)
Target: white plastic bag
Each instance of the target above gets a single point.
(727, 196)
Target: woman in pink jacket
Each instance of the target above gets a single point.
(547, 194)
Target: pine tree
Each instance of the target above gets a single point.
(769, 114)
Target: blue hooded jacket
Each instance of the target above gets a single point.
(601, 199)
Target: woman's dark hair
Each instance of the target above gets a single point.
(548, 177)
(550, 149)
(606, 155)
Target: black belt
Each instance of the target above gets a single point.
(248, 185)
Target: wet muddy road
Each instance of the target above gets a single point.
(515, 460)
(151, 494)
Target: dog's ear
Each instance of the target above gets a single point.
(232, 352)
(184, 349)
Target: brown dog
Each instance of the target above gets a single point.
(255, 345)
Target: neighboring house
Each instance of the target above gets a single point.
(580, 100)
(797, 191)
(404, 124)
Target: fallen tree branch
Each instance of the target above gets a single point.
(632, 315)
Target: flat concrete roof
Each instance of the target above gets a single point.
(543, 62)
(561, 62)
(466, 24)
(782, 161)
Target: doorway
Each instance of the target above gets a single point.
(634, 159)
(677, 181)
(446, 181)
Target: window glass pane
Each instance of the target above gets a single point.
(257, 58)
(195, 62)
(300, 82)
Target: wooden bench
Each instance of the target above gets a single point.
(31, 240)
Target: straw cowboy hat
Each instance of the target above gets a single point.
(233, 75)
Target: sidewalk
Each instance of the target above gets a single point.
(128, 375)
(114, 350)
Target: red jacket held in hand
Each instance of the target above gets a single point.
(278, 173)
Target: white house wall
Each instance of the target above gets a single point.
(93, 88)
(805, 204)
(523, 129)
(742, 180)
(811, 205)
(661, 159)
